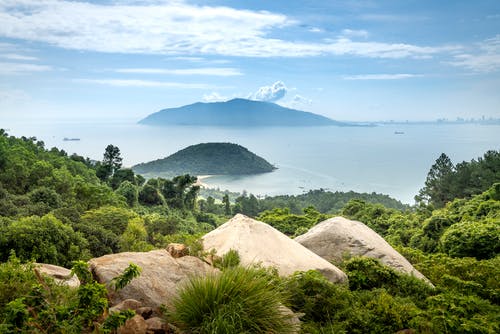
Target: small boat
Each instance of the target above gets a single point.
(399, 133)
(71, 139)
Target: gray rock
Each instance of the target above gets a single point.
(160, 275)
(177, 250)
(145, 312)
(156, 325)
(134, 325)
(257, 242)
(59, 274)
(127, 304)
(336, 237)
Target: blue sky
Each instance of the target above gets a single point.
(348, 60)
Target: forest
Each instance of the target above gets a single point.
(66, 209)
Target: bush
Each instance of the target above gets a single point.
(238, 300)
(229, 260)
(478, 239)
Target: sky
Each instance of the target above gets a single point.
(348, 60)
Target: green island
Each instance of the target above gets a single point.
(207, 159)
(65, 210)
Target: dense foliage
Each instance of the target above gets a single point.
(208, 159)
(446, 181)
(57, 208)
(33, 303)
(326, 201)
(379, 300)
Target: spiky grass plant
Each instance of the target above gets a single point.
(237, 300)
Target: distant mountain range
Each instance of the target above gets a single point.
(207, 159)
(237, 112)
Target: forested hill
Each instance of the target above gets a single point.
(208, 158)
(236, 112)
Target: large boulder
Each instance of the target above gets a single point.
(257, 242)
(337, 237)
(160, 275)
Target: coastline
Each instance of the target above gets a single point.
(199, 180)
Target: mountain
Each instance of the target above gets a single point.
(208, 158)
(236, 112)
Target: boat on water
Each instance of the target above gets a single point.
(399, 133)
(71, 139)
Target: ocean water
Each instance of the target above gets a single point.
(363, 159)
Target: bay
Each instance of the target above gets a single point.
(363, 159)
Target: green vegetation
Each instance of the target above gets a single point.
(32, 303)
(208, 159)
(326, 201)
(379, 300)
(238, 300)
(59, 209)
(446, 182)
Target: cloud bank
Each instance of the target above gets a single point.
(271, 93)
(485, 58)
(178, 28)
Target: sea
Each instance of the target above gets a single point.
(391, 159)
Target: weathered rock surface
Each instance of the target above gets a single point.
(160, 275)
(156, 325)
(257, 242)
(177, 250)
(145, 312)
(127, 304)
(59, 274)
(134, 325)
(336, 237)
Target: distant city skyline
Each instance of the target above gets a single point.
(348, 60)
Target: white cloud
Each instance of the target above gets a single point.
(15, 56)
(485, 59)
(315, 29)
(349, 33)
(144, 83)
(302, 100)
(7, 68)
(214, 97)
(271, 93)
(175, 28)
(382, 76)
(211, 71)
(12, 96)
(392, 18)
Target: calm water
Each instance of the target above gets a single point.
(360, 159)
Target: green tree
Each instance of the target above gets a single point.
(43, 239)
(111, 162)
(437, 189)
(122, 175)
(135, 237)
(129, 191)
(227, 205)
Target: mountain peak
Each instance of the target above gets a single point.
(236, 112)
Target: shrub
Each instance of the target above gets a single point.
(238, 300)
(478, 239)
(229, 260)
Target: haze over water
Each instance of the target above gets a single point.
(363, 159)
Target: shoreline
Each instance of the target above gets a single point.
(199, 180)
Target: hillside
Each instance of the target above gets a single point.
(54, 209)
(236, 112)
(208, 158)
